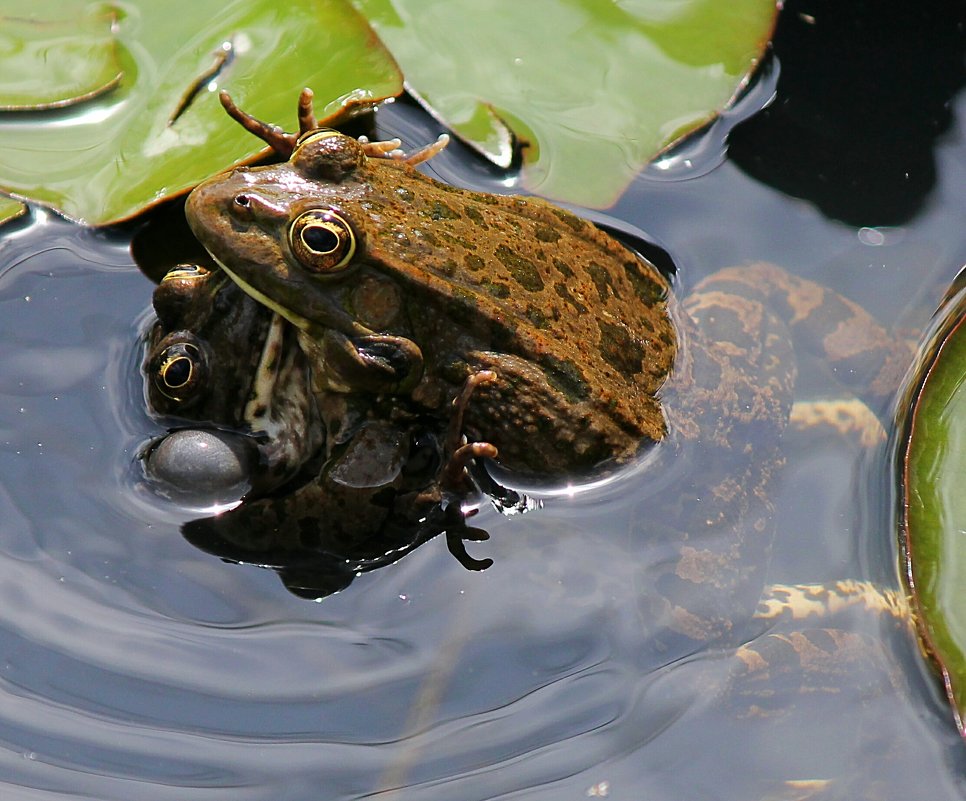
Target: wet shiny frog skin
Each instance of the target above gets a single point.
(402, 285)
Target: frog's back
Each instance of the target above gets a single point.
(535, 281)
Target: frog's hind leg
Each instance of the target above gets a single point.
(827, 695)
(778, 671)
(863, 356)
(803, 650)
(825, 691)
(820, 602)
(848, 419)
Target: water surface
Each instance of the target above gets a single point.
(134, 666)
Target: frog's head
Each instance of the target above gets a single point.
(281, 233)
(292, 237)
(229, 376)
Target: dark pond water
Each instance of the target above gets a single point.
(134, 666)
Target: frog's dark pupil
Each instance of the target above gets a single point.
(320, 238)
(177, 373)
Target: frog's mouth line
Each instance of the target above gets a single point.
(299, 322)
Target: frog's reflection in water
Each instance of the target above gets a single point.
(323, 534)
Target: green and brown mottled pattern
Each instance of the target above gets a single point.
(729, 397)
(589, 366)
(617, 346)
(575, 326)
(778, 670)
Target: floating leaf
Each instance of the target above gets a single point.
(57, 60)
(933, 477)
(162, 129)
(594, 90)
(10, 209)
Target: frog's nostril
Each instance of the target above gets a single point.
(242, 206)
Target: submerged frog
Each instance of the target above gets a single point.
(226, 375)
(405, 288)
(214, 356)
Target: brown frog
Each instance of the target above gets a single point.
(226, 375)
(405, 288)
(399, 307)
(216, 357)
(401, 285)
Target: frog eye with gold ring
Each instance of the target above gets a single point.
(323, 241)
(181, 290)
(179, 370)
(317, 135)
(327, 155)
(187, 272)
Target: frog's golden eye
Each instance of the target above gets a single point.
(326, 155)
(186, 272)
(181, 290)
(317, 135)
(323, 241)
(180, 370)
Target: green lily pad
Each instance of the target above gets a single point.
(594, 90)
(10, 209)
(933, 477)
(162, 129)
(57, 59)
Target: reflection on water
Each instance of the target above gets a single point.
(135, 666)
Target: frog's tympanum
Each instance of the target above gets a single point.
(428, 311)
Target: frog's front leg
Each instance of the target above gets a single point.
(375, 364)
(455, 481)
(273, 135)
(284, 143)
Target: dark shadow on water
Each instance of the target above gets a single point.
(864, 92)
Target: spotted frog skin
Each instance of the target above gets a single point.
(403, 287)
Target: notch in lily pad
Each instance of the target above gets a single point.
(108, 147)
(591, 91)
